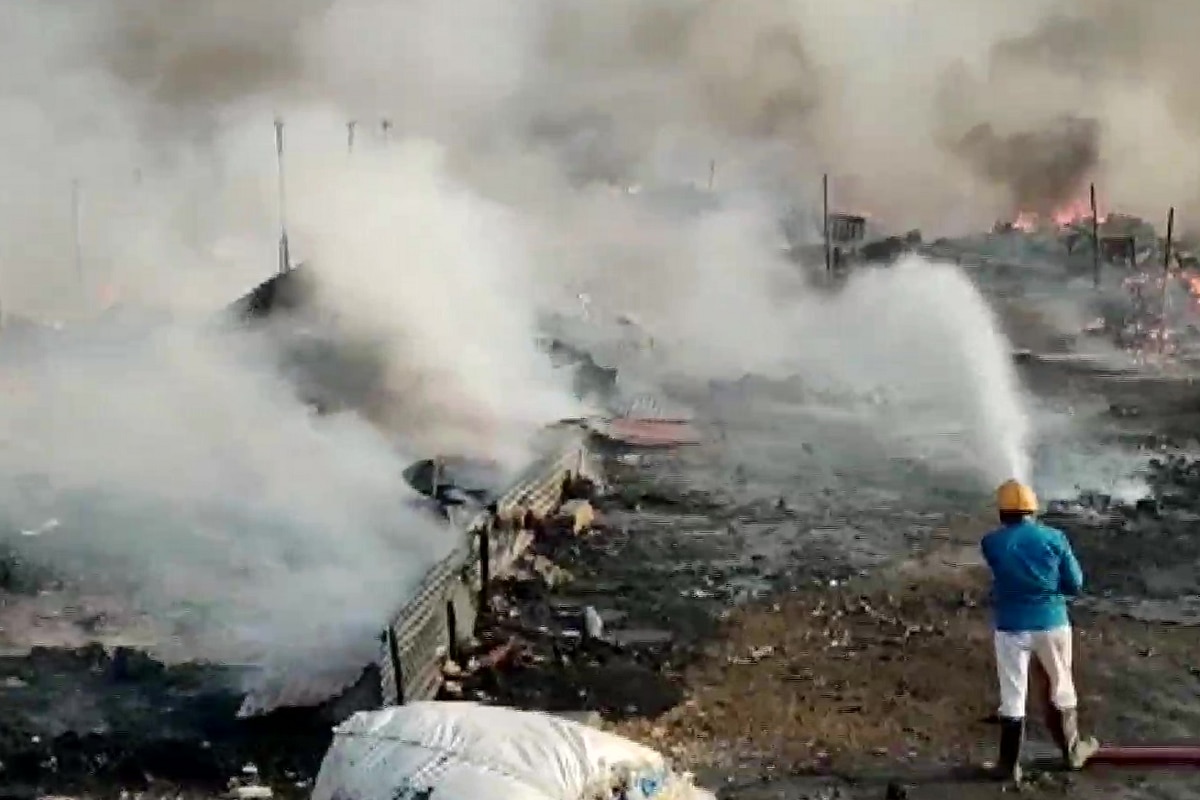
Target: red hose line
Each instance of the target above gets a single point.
(1148, 755)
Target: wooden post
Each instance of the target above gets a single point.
(825, 221)
(77, 228)
(1095, 241)
(285, 256)
(397, 664)
(485, 566)
(1162, 331)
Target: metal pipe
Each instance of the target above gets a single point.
(285, 256)
(1162, 328)
(825, 221)
(77, 228)
(485, 565)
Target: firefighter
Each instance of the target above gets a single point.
(1034, 572)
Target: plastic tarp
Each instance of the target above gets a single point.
(465, 751)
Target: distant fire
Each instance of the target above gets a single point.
(1191, 281)
(1071, 213)
(109, 295)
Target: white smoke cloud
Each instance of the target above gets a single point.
(181, 472)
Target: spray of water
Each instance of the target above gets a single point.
(954, 362)
(913, 351)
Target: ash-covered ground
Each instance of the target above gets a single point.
(788, 609)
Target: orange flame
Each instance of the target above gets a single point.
(109, 295)
(1070, 213)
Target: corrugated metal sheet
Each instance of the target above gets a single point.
(534, 489)
(299, 685)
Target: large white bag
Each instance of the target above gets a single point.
(465, 751)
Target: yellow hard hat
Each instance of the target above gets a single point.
(1016, 496)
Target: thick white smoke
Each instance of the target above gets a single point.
(173, 466)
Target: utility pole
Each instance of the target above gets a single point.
(285, 256)
(712, 173)
(825, 222)
(77, 228)
(350, 136)
(1095, 241)
(386, 127)
(1162, 331)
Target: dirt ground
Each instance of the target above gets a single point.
(892, 676)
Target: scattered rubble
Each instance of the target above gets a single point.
(87, 719)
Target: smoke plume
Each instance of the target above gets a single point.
(1042, 170)
(174, 467)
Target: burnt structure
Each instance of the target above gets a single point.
(1120, 250)
(846, 232)
(288, 291)
(331, 369)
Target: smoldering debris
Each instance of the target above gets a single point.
(87, 719)
(1142, 304)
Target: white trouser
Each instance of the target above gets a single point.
(1053, 651)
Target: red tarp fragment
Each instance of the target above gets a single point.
(650, 432)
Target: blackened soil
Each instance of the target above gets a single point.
(84, 720)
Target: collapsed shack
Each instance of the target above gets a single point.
(286, 291)
(1119, 250)
(331, 369)
(849, 241)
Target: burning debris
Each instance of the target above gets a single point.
(1149, 303)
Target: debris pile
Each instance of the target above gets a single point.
(548, 643)
(124, 719)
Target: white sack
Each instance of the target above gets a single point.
(465, 751)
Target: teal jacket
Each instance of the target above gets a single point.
(1034, 571)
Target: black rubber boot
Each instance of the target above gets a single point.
(1054, 724)
(1012, 735)
(1076, 751)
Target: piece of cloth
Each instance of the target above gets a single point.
(1034, 571)
(1052, 649)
